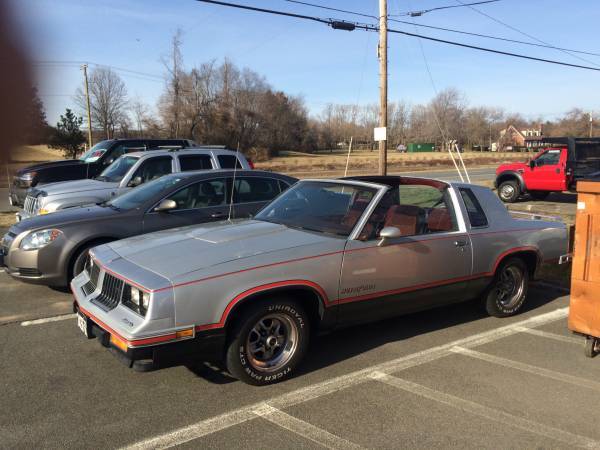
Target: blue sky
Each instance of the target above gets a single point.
(312, 60)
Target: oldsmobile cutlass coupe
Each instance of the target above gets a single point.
(324, 254)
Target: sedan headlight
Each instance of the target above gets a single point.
(39, 239)
(139, 300)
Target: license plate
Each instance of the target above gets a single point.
(82, 324)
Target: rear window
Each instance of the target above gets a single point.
(195, 162)
(228, 162)
(474, 210)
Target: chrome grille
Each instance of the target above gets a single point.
(111, 293)
(32, 205)
(93, 271)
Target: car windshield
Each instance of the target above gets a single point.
(140, 195)
(94, 153)
(331, 208)
(117, 170)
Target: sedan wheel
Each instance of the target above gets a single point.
(268, 342)
(508, 290)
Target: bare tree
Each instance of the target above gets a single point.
(108, 98)
(139, 110)
(171, 104)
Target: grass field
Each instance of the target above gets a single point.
(297, 164)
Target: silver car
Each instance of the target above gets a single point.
(127, 172)
(324, 254)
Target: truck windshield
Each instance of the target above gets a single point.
(330, 208)
(140, 195)
(94, 153)
(117, 170)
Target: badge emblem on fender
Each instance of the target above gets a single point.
(128, 322)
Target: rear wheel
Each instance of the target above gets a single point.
(507, 292)
(509, 191)
(539, 195)
(268, 342)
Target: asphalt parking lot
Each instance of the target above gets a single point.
(451, 377)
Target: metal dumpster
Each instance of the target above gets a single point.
(584, 311)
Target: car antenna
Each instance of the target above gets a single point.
(237, 151)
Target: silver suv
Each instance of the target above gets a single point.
(127, 172)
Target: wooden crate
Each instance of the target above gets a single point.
(584, 312)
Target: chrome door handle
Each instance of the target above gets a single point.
(217, 215)
(461, 243)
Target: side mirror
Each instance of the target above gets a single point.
(136, 181)
(532, 164)
(109, 161)
(388, 233)
(166, 205)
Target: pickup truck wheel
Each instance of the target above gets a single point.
(539, 195)
(507, 292)
(509, 191)
(267, 345)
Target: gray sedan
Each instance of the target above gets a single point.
(51, 249)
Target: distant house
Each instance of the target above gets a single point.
(511, 137)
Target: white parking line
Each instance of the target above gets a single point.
(581, 382)
(330, 386)
(556, 337)
(486, 412)
(48, 319)
(304, 429)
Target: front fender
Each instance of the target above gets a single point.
(510, 175)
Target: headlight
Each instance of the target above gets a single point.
(139, 301)
(39, 239)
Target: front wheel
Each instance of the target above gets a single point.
(509, 191)
(507, 293)
(268, 342)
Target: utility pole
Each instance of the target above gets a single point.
(591, 124)
(87, 100)
(383, 84)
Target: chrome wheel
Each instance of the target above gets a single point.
(272, 342)
(507, 191)
(510, 286)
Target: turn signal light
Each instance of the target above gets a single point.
(121, 345)
(185, 333)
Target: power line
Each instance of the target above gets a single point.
(369, 27)
(499, 38)
(332, 9)
(522, 32)
(420, 13)
(79, 63)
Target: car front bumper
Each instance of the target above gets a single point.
(148, 352)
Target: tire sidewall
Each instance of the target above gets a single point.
(238, 362)
(493, 306)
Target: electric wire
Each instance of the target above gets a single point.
(420, 13)
(370, 27)
(332, 9)
(523, 32)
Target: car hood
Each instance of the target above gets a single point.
(511, 166)
(49, 165)
(64, 217)
(176, 252)
(69, 187)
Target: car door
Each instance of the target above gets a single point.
(548, 173)
(199, 202)
(428, 264)
(149, 169)
(252, 193)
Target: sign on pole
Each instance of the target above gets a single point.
(380, 134)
